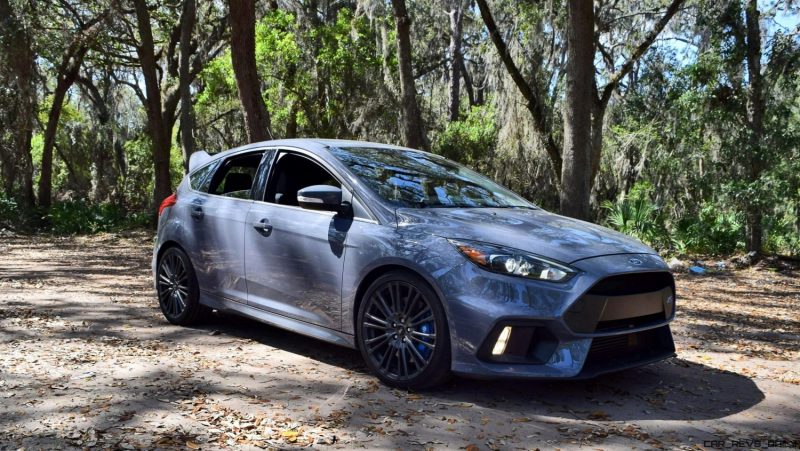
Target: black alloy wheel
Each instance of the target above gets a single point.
(178, 292)
(402, 332)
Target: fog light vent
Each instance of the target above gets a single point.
(502, 341)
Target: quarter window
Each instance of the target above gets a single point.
(199, 179)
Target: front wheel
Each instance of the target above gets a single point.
(178, 291)
(402, 332)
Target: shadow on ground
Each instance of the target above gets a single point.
(675, 389)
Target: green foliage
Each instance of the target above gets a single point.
(713, 230)
(10, 212)
(471, 140)
(314, 78)
(638, 216)
(78, 217)
(139, 183)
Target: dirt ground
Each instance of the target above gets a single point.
(87, 361)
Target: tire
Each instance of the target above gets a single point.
(402, 333)
(178, 291)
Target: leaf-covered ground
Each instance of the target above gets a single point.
(87, 361)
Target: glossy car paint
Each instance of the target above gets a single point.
(307, 273)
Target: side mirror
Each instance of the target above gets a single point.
(320, 197)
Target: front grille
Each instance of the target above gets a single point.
(626, 284)
(628, 349)
(621, 302)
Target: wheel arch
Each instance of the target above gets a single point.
(167, 245)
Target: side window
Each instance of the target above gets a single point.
(235, 176)
(199, 179)
(293, 172)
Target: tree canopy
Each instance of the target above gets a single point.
(677, 121)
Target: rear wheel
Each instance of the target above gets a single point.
(402, 332)
(178, 291)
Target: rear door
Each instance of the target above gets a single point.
(218, 219)
(294, 257)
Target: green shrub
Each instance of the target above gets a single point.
(713, 230)
(77, 217)
(469, 141)
(638, 216)
(10, 212)
(782, 237)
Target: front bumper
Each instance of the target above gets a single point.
(579, 329)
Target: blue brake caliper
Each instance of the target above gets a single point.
(425, 328)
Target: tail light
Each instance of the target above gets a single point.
(168, 202)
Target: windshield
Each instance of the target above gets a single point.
(412, 179)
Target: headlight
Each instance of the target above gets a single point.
(513, 262)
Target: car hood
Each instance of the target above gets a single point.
(532, 230)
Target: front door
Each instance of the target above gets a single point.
(294, 257)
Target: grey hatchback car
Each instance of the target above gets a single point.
(424, 266)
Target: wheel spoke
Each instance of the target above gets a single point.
(384, 340)
(429, 317)
(386, 357)
(381, 305)
(379, 337)
(422, 334)
(410, 304)
(422, 342)
(404, 359)
(374, 318)
(392, 301)
(181, 304)
(418, 359)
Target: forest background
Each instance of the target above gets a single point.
(674, 121)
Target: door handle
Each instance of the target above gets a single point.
(197, 212)
(263, 227)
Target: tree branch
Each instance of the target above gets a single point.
(535, 103)
(613, 82)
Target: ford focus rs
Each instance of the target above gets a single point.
(424, 266)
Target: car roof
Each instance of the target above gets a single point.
(316, 145)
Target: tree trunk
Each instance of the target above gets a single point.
(159, 130)
(598, 115)
(456, 60)
(109, 167)
(413, 132)
(22, 61)
(755, 110)
(46, 174)
(243, 56)
(67, 74)
(468, 83)
(576, 170)
(188, 17)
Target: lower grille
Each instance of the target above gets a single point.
(619, 351)
(630, 323)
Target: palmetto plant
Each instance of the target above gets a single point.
(637, 216)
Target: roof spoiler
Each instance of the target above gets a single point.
(198, 159)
